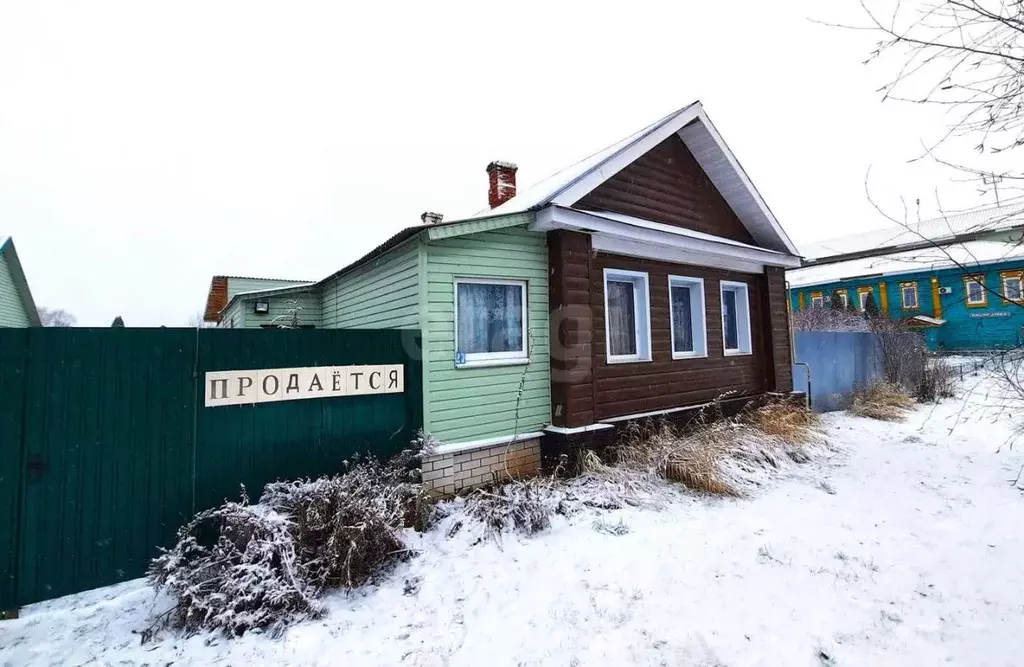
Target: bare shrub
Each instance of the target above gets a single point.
(239, 567)
(248, 577)
(827, 319)
(904, 357)
(884, 401)
(346, 527)
(524, 507)
(939, 381)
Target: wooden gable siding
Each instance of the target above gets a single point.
(667, 185)
(12, 309)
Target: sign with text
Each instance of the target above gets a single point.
(291, 384)
(990, 313)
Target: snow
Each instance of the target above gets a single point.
(1007, 216)
(899, 544)
(967, 254)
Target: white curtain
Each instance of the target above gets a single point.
(730, 320)
(490, 318)
(682, 318)
(621, 318)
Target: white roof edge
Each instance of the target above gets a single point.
(735, 163)
(645, 140)
(625, 155)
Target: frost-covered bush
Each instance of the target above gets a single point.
(525, 507)
(235, 568)
(239, 566)
(346, 528)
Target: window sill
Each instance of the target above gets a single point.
(676, 356)
(630, 360)
(493, 363)
(737, 353)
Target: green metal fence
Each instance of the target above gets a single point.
(106, 447)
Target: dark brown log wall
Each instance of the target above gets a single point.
(572, 328)
(777, 308)
(630, 388)
(667, 185)
(586, 389)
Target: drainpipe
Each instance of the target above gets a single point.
(792, 350)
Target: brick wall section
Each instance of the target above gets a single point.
(448, 473)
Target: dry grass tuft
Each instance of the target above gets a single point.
(720, 456)
(787, 421)
(883, 401)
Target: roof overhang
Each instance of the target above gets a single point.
(636, 237)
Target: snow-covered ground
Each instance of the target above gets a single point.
(903, 546)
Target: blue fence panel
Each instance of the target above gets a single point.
(840, 363)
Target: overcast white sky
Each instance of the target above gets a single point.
(145, 147)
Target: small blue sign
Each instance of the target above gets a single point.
(460, 358)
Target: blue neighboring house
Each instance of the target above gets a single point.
(959, 278)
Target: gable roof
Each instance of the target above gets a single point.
(9, 252)
(925, 233)
(221, 291)
(693, 126)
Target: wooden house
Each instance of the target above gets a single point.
(642, 281)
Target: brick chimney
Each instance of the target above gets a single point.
(502, 176)
(431, 218)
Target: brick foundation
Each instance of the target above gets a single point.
(448, 473)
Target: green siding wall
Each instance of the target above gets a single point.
(12, 310)
(468, 404)
(383, 294)
(281, 307)
(233, 317)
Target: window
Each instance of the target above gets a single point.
(627, 325)
(974, 291)
(844, 299)
(817, 300)
(735, 318)
(490, 322)
(686, 303)
(908, 295)
(1012, 288)
(862, 297)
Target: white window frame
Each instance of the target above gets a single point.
(1008, 276)
(817, 299)
(862, 297)
(844, 297)
(980, 281)
(743, 334)
(903, 296)
(479, 359)
(698, 317)
(641, 316)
